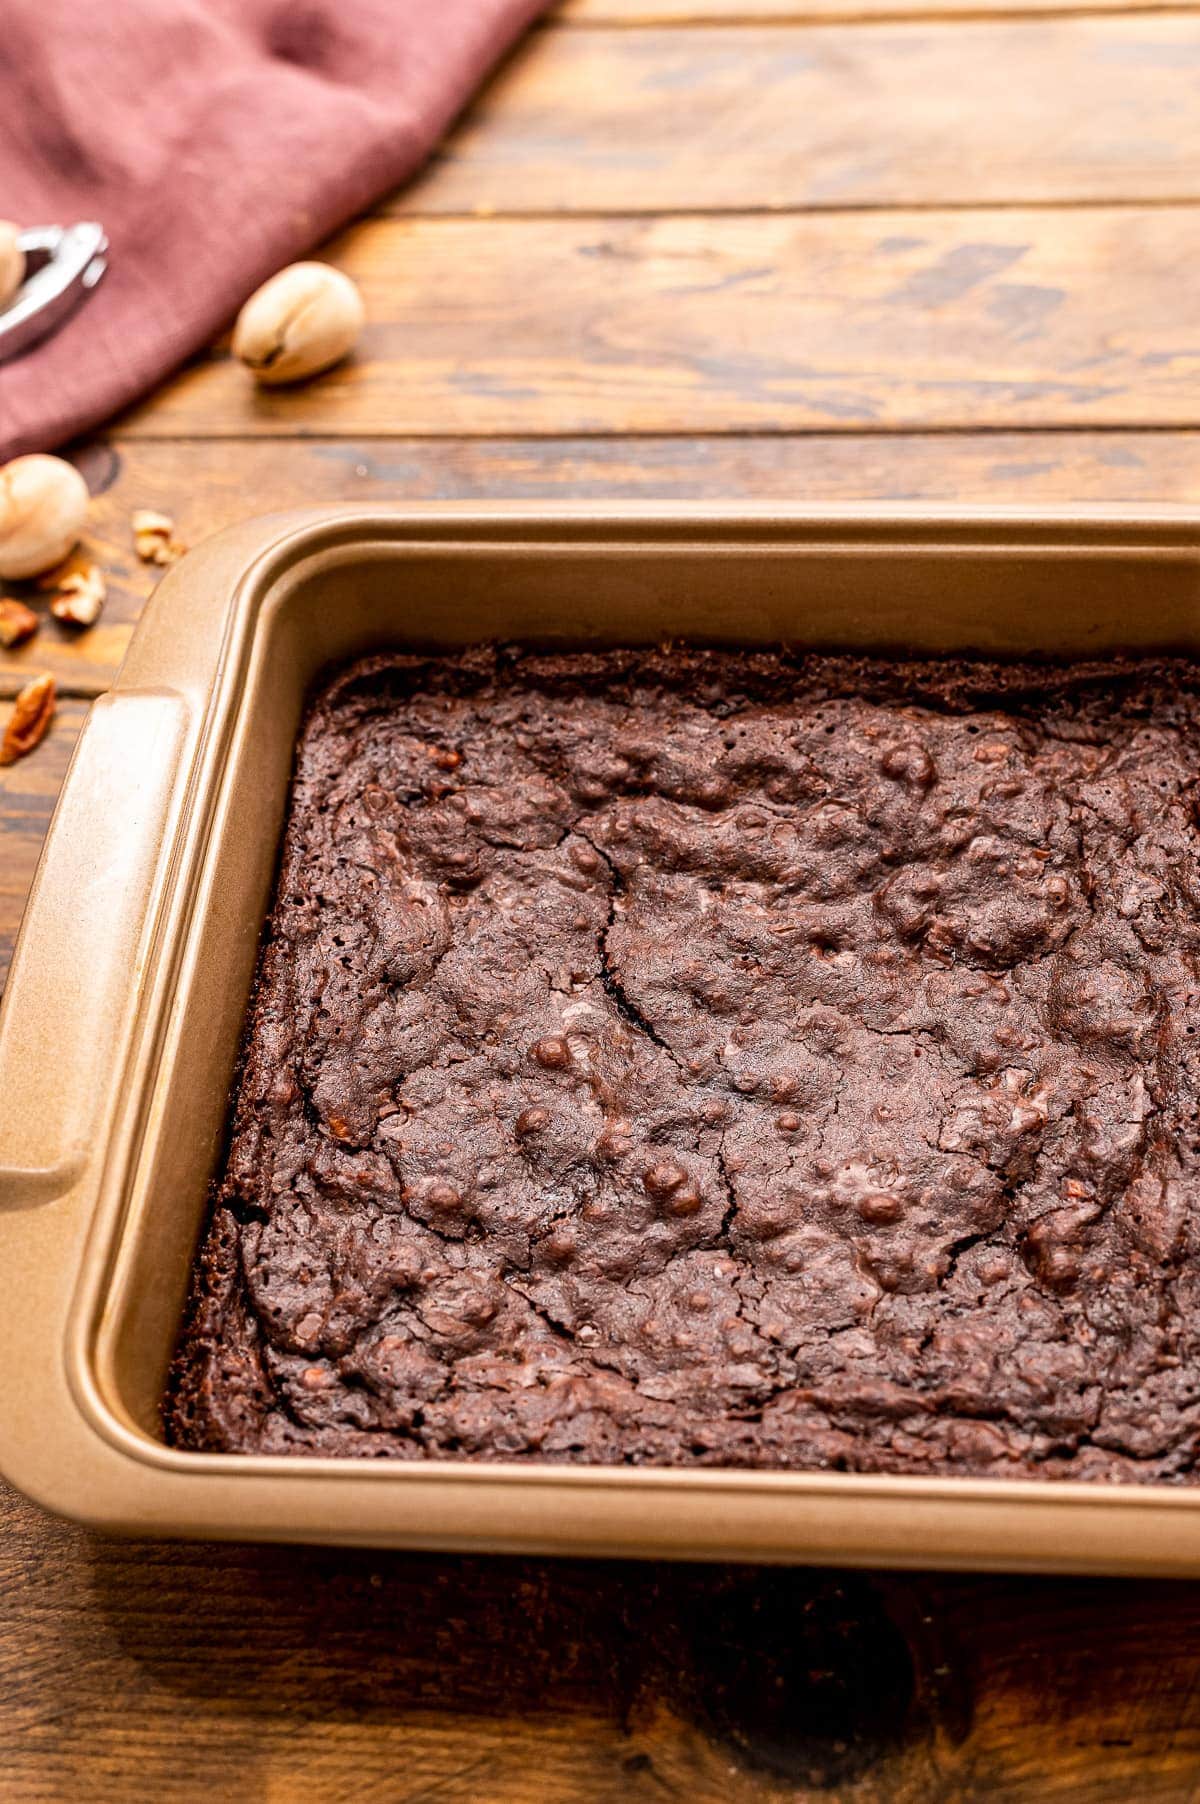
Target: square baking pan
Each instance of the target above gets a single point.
(120, 1028)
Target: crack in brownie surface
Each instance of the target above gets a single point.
(729, 1058)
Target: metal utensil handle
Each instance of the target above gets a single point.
(68, 262)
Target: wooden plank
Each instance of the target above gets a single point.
(208, 484)
(928, 112)
(1043, 318)
(84, 663)
(28, 792)
(159, 1674)
(592, 14)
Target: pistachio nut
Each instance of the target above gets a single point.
(302, 321)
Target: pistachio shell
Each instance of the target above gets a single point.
(43, 508)
(300, 322)
(12, 262)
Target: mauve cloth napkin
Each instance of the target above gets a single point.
(215, 140)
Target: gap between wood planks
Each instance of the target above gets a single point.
(486, 215)
(956, 12)
(642, 15)
(661, 435)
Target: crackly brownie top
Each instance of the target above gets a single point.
(678, 1055)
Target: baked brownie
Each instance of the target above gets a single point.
(685, 1056)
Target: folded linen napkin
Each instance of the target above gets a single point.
(215, 140)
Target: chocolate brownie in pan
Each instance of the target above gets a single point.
(730, 1058)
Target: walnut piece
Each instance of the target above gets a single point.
(17, 623)
(81, 593)
(154, 537)
(32, 713)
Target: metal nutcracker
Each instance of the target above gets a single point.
(63, 264)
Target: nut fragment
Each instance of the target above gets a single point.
(32, 713)
(81, 594)
(154, 537)
(12, 262)
(300, 322)
(17, 623)
(43, 507)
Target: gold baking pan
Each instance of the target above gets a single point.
(122, 1019)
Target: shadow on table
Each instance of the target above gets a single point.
(873, 1685)
(812, 1677)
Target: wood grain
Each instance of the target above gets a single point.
(208, 484)
(899, 114)
(81, 663)
(1004, 354)
(829, 321)
(28, 792)
(212, 484)
(85, 662)
(166, 1673)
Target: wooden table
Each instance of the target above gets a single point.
(839, 248)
